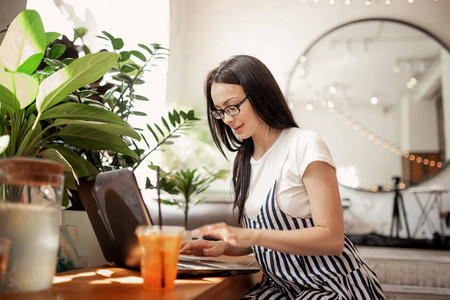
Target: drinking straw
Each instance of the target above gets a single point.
(158, 188)
(158, 185)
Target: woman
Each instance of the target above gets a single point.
(285, 190)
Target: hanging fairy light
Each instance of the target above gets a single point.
(332, 90)
(330, 104)
(331, 107)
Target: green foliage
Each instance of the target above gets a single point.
(187, 183)
(120, 98)
(34, 108)
(75, 110)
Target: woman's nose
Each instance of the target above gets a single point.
(227, 119)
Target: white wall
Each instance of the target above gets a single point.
(203, 33)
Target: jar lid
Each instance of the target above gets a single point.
(30, 171)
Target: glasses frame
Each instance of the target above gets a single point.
(222, 112)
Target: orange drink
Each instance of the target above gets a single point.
(159, 249)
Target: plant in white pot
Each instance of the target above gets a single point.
(36, 118)
(188, 183)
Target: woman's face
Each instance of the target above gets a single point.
(245, 124)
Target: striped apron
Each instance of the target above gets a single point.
(288, 276)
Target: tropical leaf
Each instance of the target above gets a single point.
(80, 72)
(22, 89)
(102, 126)
(138, 55)
(23, 46)
(50, 37)
(94, 139)
(78, 166)
(82, 112)
(56, 51)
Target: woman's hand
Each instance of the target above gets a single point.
(237, 237)
(203, 248)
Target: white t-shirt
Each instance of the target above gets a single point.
(286, 162)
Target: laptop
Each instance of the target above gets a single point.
(115, 207)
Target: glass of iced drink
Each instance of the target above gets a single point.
(30, 215)
(159, 249)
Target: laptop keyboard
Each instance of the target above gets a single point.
(193, 264)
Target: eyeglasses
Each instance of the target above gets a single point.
(230, 110)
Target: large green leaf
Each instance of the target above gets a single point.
(22, 89)
(79, 73)
(82, 112)
(26, 88)
(94, 139)
(23, 47)
(111, 128)
(8, 98)
(72, 160)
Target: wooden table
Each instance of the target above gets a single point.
(114, 283)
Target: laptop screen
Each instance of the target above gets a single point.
(110, 200)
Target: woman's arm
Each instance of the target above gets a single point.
(325, 238)
(212, 248)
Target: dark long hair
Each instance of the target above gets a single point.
(266, 99)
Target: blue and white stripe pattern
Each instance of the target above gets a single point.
(288, 276)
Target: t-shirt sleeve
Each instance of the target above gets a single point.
(311, 147)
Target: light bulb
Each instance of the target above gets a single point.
(332, 90)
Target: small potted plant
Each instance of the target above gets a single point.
(189, 183)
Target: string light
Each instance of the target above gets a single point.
(357, 127)
(377, 140)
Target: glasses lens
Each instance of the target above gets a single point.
(217, 114)
(232, 110)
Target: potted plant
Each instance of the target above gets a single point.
(189, 183)
(35, 111)
(38, 120)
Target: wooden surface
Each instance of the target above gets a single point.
(114, 283)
